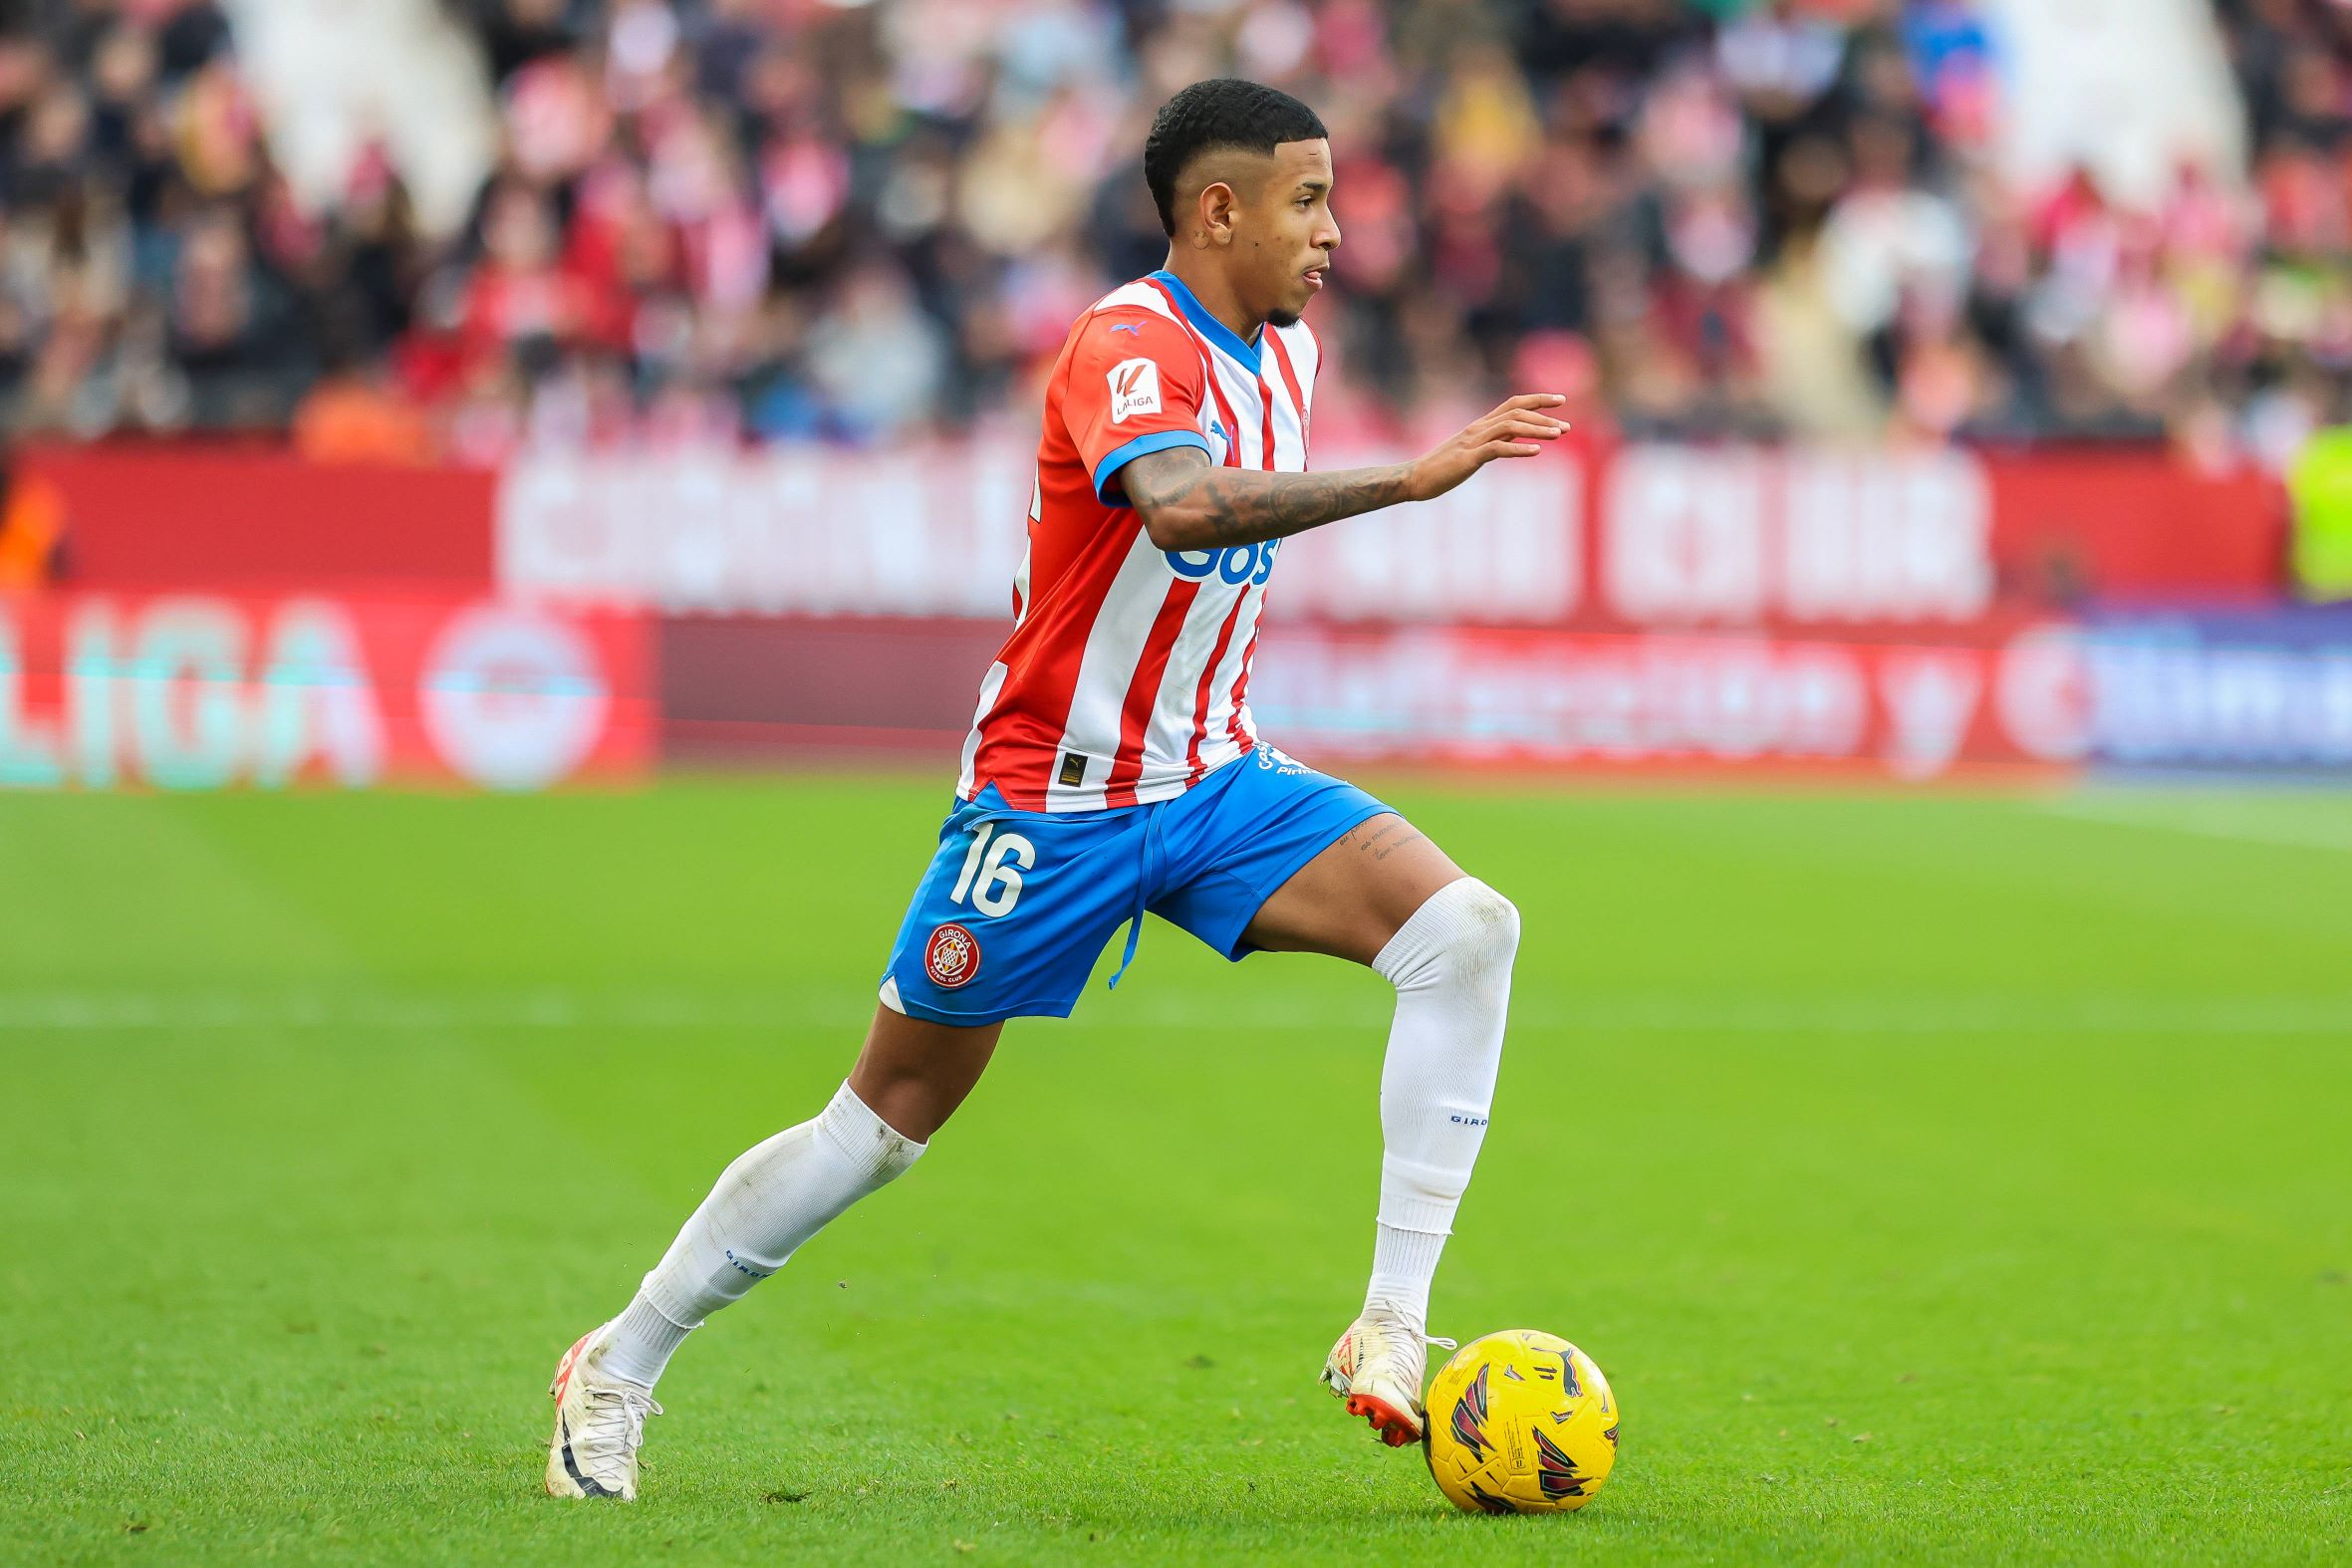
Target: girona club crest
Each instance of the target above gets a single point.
(951, 957)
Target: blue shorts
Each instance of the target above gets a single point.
(1017, 904)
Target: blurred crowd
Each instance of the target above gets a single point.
(773, 219)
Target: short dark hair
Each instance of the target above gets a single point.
(1211, 115)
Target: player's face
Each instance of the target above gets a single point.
(1288, 232)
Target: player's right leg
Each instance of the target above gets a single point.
(909, 1079)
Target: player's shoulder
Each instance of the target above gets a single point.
(1124, 336)
(1138, 294)
(1131, 312)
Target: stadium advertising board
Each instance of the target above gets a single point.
(176, 515)
(1927, 538)
(202, 690)
(1622, 539)
(2222, 690)
(1595, 538)
(1688, 701)
(1646, 606)
(1750, 537)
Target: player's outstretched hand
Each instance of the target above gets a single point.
(1514, 429)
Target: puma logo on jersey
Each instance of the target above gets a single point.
(1135, 388)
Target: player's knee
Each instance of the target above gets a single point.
(1462, 939)
(1489, 939)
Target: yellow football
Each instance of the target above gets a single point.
(1520, 1422)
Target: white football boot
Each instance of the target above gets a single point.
(1377, 1367)
(600, 1423)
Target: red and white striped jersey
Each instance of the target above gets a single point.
(1127, 676)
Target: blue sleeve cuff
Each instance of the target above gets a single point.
(1156, 442)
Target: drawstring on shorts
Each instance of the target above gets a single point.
(1153, 855)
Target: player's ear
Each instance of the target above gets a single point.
(1216, 216)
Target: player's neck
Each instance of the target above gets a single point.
(1216, 296)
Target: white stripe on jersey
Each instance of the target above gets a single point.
(990, 684)
(1219, 743)
(1114, 648)
(1306, 358)
(1241, 390)
(1291, 426)
(1167, 738)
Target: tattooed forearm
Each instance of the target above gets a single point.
(1189, 503)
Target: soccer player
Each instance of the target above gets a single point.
(1113, 768)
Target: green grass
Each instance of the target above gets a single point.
(1939, 1178)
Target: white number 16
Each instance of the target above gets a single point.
(1000, 884)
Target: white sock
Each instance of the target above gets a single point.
(1452, 966)
(642, 1343)
(769, 1201)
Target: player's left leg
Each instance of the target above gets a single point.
(1005, 922)
(909, 1079)
(1386, 897)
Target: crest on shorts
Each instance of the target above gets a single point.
(951, 957)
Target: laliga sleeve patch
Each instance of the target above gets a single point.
(1135, 388)
(951, 957)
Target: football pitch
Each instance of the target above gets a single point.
(1946, 1178)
